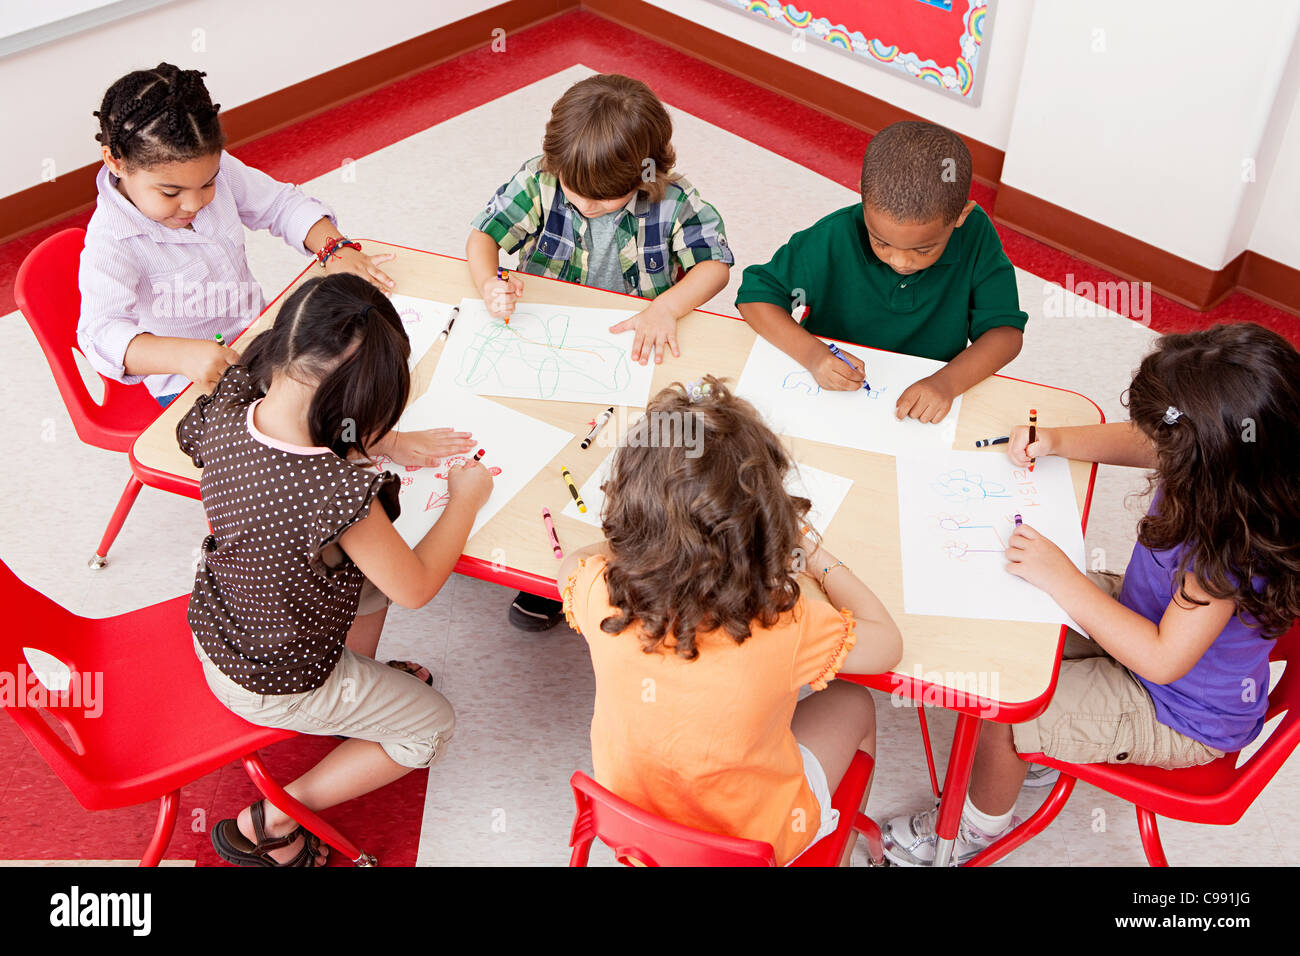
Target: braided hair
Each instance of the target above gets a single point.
(163, 115)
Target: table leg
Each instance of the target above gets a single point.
(955, 784)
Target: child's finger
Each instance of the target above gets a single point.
(638, 346)
(623, 326)
(672, 343)
(906, 403)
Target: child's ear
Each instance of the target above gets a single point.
(113, 165)
(965, 211)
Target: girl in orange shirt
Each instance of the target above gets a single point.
(701, 634)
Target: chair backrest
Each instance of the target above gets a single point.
(47, 293)
(635, 835)
(38, 622)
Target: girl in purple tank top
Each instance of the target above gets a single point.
(1177, 672)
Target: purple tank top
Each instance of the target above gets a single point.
(1222, 699)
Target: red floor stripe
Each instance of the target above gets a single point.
(789, 129)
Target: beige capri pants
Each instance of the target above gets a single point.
(361, 698)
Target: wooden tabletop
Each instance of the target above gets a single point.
(1015, 660)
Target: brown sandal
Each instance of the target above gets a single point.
(233, 847)
(412, 668)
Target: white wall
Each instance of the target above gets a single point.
(250, 48)
(1276, 232)
(1000, 61)
(1145, 125)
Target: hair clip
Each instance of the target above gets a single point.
(698, 389)
(1172, 415)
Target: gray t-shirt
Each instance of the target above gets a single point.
(603, 268)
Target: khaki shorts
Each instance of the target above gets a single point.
(361, 698)
(1101, 713)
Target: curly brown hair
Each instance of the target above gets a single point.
(1227, 466)
(701, 529)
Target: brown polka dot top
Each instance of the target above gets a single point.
(266, 607)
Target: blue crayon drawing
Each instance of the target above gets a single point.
(959, 487)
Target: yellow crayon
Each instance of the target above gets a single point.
(573, 489)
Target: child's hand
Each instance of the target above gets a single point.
(656, 328)
(430, 446)
(469, 482)
(205, 363)
(1034, 558)
(500, 296)
(833, 374)
(358, 263)
(928, 400)
(1021, 452)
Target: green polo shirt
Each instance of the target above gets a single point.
(855, 297)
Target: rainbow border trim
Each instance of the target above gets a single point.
(957, 78)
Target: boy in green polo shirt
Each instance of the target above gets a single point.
(916, 268)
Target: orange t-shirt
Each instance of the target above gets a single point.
(707, 743)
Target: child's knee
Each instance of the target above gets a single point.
(427, 742)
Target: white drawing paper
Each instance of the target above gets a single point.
(792, 402)
(516, 447)
(956, 513)
(558, 353)
(825, 490)
(423, 319)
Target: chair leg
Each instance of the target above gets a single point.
(162, 829)
(929, 753)
(124, 504)
(308, 818)
(1150, 837)
(581, 851)
(871, 833)
(1036, 824)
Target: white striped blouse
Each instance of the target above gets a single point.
(138, 275)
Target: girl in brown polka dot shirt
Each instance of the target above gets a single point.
(289, 497)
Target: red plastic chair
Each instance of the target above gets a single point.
(160, 726)
(47, 293)
(1214, 793)
(638, 835)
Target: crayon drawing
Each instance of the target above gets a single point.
(547, 352)
(423, 319)
(517, 447)
(792, 403)
(956, 516)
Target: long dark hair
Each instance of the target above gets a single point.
(702, 532)
(359, 398)
(163, 115)
(1228, 463)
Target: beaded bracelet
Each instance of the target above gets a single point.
(826, 571)
(332, 248)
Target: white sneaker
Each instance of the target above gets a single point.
(1040, 776)
(911, 840)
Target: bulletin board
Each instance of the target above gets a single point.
(937, 42)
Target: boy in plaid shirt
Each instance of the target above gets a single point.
(602, 206)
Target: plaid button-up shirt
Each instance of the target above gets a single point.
(657, 241)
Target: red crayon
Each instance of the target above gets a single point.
(503, 276)
(478, 454)
(1033, 432)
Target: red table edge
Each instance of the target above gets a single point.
(548, 587)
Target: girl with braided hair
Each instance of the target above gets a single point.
(164, 270)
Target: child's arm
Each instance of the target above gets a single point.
(426, 447)
(571, 560)
(880, 644)
(930, 399)
(1115, 443)
(411, 577)
(1162, 652)
(656, 324)
(777, 326)
(348, 259)
(481, 250)
(202, 362)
